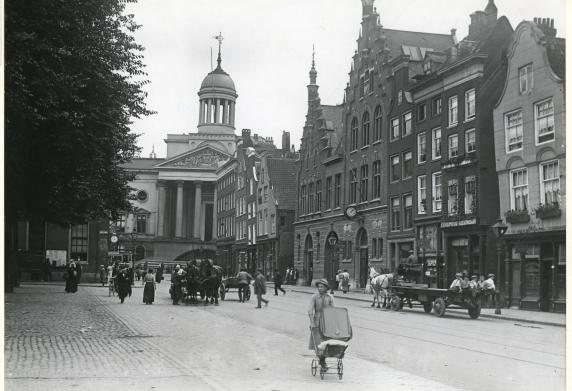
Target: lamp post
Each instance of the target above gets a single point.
(499, 229)
(133, 238)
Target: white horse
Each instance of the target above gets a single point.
(380, 285)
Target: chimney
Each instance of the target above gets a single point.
(454, 36)
(285, 141)
(546, 25)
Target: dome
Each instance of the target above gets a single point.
(218, 79)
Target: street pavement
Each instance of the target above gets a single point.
(89, 341)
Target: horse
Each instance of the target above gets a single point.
(211, 279)
(380, 285)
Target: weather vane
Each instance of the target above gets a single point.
(219, 38)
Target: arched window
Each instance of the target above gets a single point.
(377, 124)
(365, 129)
(354, 134)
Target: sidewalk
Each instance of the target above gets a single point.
(511, 314)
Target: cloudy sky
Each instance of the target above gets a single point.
(267, 50)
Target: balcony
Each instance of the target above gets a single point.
(517, 216)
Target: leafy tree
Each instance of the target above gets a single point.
(73, 84)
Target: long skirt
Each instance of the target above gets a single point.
(315, 331)
(149, 293)
(123, 289)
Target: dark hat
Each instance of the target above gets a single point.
(322, 281)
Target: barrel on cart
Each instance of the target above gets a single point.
(436, 299)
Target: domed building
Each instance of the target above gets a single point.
(174, 214)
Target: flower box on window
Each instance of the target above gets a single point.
(517, 216)
(548, 211)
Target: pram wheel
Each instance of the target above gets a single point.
(340, 369)
(314, 367)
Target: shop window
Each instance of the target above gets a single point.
(532, 279)
(79, 239)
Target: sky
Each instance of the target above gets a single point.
(267, 51)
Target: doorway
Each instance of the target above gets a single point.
(331, 263)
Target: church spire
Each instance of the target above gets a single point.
(313, 72)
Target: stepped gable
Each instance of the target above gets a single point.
(415, 43)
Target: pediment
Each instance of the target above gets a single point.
(203, 158)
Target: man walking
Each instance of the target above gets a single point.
(260, 288)
(243, 279)
(278, 283)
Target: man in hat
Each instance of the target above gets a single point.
(318, 302)
(260, 288)
(489, 287)
(457, 282)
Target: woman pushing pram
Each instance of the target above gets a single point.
(330, 330)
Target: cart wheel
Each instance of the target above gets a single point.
(475, 311)
(314, 367)
(222, 292)
(340, 369)
(396, 303)
(439, 306)
(427, 306)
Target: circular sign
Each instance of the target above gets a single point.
(142, 195)
(114, 239)
(351, 211)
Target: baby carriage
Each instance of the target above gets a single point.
(335, 330)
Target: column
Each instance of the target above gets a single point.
(197, 216)
(216, 111)
(231, 113)
(162, 208)
(225, 111)
(201, 112)
(209, 108)
(215, 225)
(179, 215)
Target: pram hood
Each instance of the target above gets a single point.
(335, 324)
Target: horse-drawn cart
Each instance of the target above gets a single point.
(232, 283)
(436, 299)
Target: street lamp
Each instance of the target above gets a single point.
(499, 229)
(133, 238)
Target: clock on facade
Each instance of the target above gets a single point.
(114, 239)
(351, 211)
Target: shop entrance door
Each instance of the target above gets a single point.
(545, 285)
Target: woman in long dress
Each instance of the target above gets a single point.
(123, 284)
(72, 278)
(150, 287)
